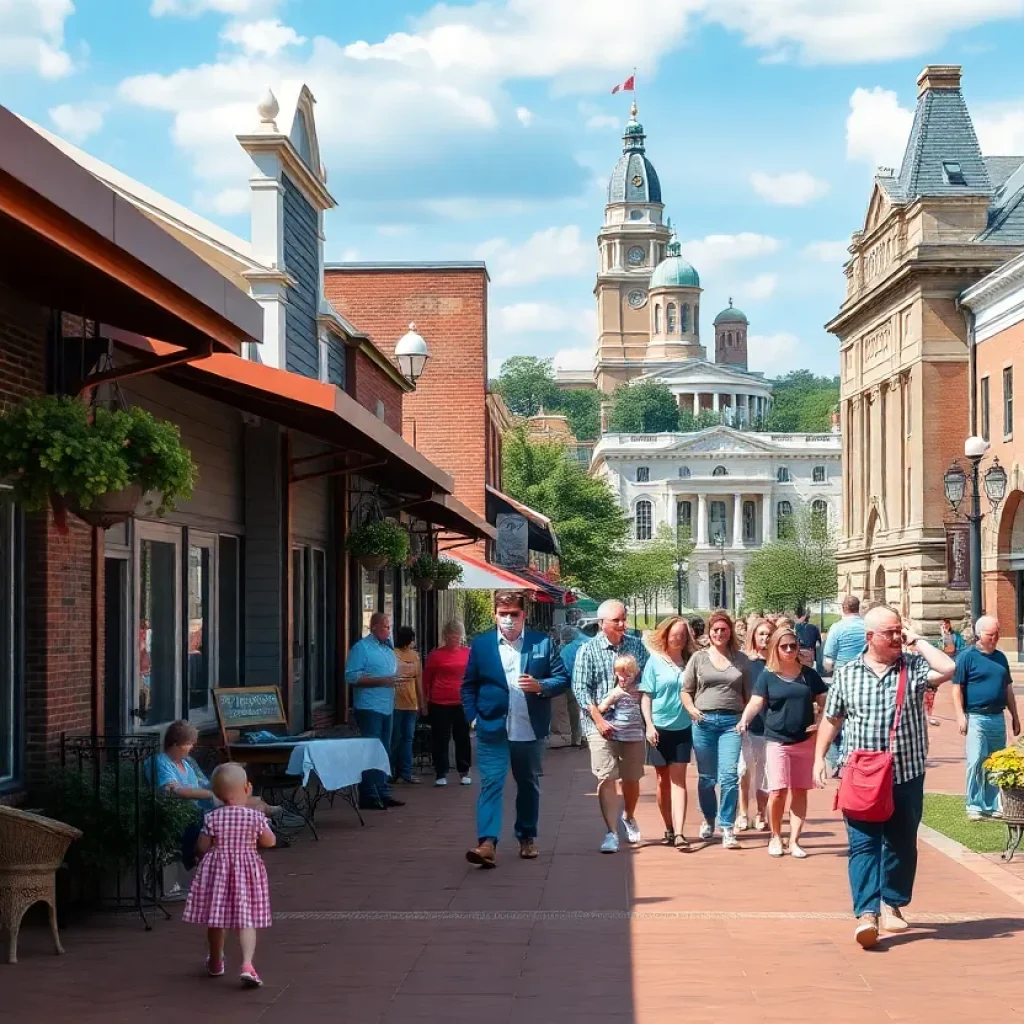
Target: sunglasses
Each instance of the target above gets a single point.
(788, 647)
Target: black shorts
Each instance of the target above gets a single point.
(674, 747)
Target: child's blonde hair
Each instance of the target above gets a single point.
(228, 779)
(627, 664)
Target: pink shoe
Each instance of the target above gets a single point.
(250, 979)
(215, 968)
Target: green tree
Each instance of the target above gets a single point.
(654, 567)
(789, 574)
(582, 408)
(527, 383)
(590, 525)
(645, 407)
(803, 403)
(475, 610)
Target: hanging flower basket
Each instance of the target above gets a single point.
(448, 573)
(96, 463)
(1005, 769)
(377, 544)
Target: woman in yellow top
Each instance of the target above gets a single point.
(409, 704)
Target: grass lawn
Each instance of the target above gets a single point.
(948, 815)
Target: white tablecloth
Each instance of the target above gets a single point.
(337, 763)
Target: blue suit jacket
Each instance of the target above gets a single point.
(485, 688)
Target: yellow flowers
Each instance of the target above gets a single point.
(1005, 768)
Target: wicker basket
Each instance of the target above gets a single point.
(1012, 804)
(31, 849)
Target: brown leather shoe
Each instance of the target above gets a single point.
(527, 849)
(483, 855)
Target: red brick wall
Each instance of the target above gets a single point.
(447, 411)
(57, 599)
(372, 383)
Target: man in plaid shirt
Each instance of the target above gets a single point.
(862, 700)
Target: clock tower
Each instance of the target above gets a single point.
(631, 243)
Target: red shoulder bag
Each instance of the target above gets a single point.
(866, 788)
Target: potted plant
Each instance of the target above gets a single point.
(423, 571)
(378, 544)
(448, 572)
(97, 462)
(1005, 769)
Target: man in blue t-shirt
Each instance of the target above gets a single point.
(982, 693)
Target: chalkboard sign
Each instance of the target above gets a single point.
(245, 707)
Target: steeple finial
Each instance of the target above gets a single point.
(633, 109)
(730, 300)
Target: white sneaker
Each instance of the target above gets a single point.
(760, 825)
(729, 840)
(467, 780)
(441, 782)
(707, 830)
(775, 847)
(610, 844)
(742, 823)
(797, 851)
(632, 829)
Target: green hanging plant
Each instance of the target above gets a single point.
(448, 572)
(423, 571)
(55, 449)
(381, 543)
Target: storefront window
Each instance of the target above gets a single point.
(388, 599)
(158, 634)
(10, 662)
(368, 583)
(200, 662)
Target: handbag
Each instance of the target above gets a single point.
(866, 788)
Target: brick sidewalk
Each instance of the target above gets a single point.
(389, 924)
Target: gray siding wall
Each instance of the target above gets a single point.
(336, 363)
(301, 247)
(311, 500)
(213, 432)
(264, 571)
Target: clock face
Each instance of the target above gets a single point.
(638, 181)
(637, 298)
(636, 256)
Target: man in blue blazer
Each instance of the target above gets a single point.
(511, 675)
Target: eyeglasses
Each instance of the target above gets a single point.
(788, 647)
(510, 612)
(888, 634)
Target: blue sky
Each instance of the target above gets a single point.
(487, 130)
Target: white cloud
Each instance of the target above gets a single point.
(544, 318)
(524, 116)
(573, 359)
(553, 252)
(827, 252)
(32, 36)
(877, 128)
(598, 122)
(394, 230)
(266, 37)
(228, 202)
(194, 8)
(797, 188)
(77, 121)
(1000, 129)
(760, 287)
(714, 251)
(774, 354)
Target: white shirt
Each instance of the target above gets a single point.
(518, 722)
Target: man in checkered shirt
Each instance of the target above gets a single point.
(862, 700)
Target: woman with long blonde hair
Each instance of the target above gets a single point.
(669, 732)
(759, 632)
(791, 695)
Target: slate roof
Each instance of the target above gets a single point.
(1006, 213)
(1001, 167)
(634, 179)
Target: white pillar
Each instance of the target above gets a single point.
(740, 404)
(766, 518)
(737, 520)
(702, 522)
(703, 591)
(696, 405)
(714, 401)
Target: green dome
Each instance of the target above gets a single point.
(731, 315)
(673, 271)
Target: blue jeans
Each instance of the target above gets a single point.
(985, 734)
(495, 755)
(374, 725)
(716, 744)
(403, 732)
(883, 854)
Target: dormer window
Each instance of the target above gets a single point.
(953, 173)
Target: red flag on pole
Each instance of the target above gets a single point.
(628, 85)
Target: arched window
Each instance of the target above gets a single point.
(720, 471)
(670, 318)
(818, 476)
(782, 476)
(644, 520)
(784, 520)
(684, 474)
(718, 520)
(684, 321)
(643, 474)
(657, 319)
(719, 589)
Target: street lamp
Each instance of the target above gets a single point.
(954, 484)
(412, 354)
(719, 542)
(680, 568)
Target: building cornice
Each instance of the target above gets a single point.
(380, 360)
(293, 165)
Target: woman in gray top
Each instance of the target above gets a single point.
(716, 688)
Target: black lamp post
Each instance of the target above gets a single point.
(954, 484)
(680, 568)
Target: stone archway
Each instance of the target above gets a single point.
(878, 585)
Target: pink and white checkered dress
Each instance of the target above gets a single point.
(230, 888)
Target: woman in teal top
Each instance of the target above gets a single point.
(669, 735)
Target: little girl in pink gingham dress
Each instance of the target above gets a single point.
(230, 888)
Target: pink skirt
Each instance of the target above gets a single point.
(790, 765)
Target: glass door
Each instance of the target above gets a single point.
(201, 599)
(318, 627)
(157, 683)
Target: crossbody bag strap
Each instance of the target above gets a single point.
(901, 694)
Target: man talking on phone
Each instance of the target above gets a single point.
(512, 674)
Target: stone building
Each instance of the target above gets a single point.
(947, 218)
